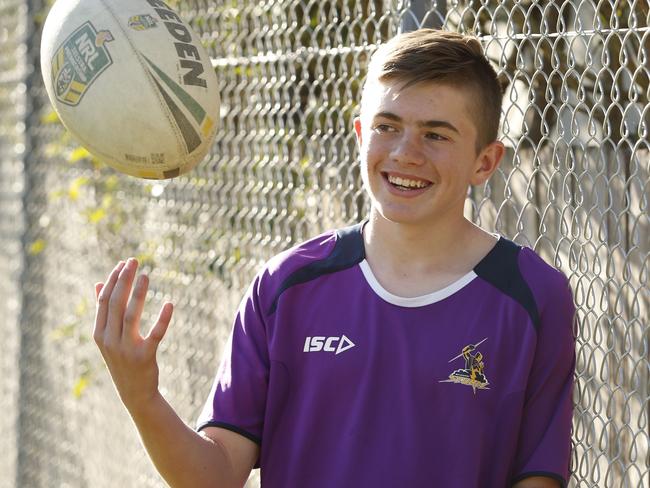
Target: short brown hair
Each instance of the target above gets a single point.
(445, 57)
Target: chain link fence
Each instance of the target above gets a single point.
(573, 186)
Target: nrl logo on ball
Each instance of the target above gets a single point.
(79, 61)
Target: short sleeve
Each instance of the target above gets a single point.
(544, 443)
(237, 399)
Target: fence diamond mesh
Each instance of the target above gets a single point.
(573, 186)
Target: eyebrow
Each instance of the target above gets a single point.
(432, 124)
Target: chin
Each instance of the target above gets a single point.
(398, 217)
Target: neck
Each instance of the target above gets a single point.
(453, 247)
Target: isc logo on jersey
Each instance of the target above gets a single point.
(334, 344)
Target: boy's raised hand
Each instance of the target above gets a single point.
(130, 357)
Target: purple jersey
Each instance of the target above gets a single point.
(343, 384)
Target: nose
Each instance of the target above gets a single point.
(407, 149)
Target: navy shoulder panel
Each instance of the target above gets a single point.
(501, 268)
(348, 251)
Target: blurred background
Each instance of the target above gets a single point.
(574, 187)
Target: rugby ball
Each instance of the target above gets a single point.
(131, 81)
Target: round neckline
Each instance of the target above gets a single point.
(418, 301)
(428, 298)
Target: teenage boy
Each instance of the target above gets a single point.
(411, 350)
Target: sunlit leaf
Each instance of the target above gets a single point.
(75, 187)
(111, 182)
(145, 258)
(107, 201)
(96, 215)
(50, 118)
(53, 149)
(81, 308)
(79, 154)
(36, 247)
(63, 331)
(80, 386)
(56, 194)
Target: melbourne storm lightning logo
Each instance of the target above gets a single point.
(474, 372)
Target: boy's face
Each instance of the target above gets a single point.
(418, 151)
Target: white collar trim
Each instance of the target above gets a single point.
(420, 301)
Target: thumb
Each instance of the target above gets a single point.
(159, 329)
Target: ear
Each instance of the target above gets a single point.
(487, 162)
(357, 129)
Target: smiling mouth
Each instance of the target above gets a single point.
(406, 184)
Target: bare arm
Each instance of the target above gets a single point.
(537, 482)
(216, 458)
(185, 458)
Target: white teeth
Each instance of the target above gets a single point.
(396, 180)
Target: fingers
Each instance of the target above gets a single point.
(135, 307)
(129, 358)
(98, 289)
(117, 302)
(117, 316)
(103, 293)
(160, 327)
